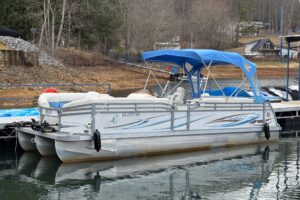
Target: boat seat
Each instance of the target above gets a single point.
(140, 96)
(178, 97)
(116, 100)
(57, 101)
(214, 99)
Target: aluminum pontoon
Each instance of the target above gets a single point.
(101, 127)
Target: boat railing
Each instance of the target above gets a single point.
(121, 106)
(49, 112)
(129, 108)
(232, 106)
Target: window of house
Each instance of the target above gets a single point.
(268, 45)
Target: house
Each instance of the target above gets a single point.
(5, 31)
(252, 28)
(261, 48)
(293, 53)
(265, 48)
(173, 44)
(167, 45)
(15, 51)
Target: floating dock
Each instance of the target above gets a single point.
(287, 114)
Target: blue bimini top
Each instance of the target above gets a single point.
(200, 58)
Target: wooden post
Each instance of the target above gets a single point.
(17, 58)
(4, 58)
(23, 58)
(14, 57)
(37, 59)
(9, 58)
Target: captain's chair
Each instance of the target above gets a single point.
(178, 97)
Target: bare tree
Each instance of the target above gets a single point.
(61, 23)
(46, 15)
(52, 28)
(147, 22)
(212, 24)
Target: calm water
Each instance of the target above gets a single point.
(249, 172)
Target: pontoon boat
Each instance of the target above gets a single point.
(95, 126)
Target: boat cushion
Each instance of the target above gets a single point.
(118, 100)
(60, 104)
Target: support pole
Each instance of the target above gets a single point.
(281, 27)
(288, 72)
(147, 80)
(299, 77)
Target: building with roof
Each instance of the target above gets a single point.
(252, 28)
(261, 48)
(5, 31)
(15, 51)
(265, 48)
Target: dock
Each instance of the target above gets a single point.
(287, 114)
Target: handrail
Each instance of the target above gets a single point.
(116, 103)
(159, 108)
(92, 110)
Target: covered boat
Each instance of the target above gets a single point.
(98, 127)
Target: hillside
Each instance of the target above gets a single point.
(81, 67)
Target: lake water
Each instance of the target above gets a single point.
(249, 172)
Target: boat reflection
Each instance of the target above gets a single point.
(248, 172)
(46, 169)
(132, 167)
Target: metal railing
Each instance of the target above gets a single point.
(94, 109)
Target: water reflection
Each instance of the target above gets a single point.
(249, 172)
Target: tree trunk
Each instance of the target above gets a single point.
(237, 32)
(46, 13)
(78, 38)
(48, 34)
(289, 24)
(52, 31)
(69, 26)
(61, 23)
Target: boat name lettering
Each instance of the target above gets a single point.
(130, 114)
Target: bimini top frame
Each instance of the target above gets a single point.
(204, 58)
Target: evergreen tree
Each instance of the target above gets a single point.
(14, 14)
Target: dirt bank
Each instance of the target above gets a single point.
(123, 79)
